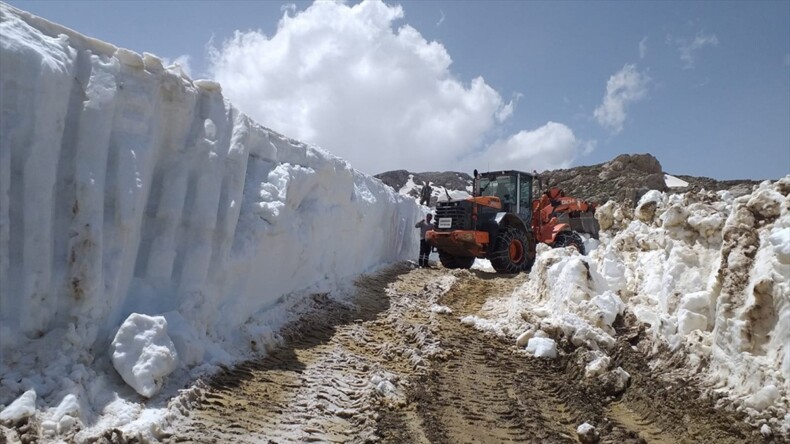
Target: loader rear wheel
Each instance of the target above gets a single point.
(454, 262)
(511, 251)
(569, 239)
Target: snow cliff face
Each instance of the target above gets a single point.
(126, 187)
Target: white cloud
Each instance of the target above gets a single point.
(551, 146)
(689, 47)
(625, 87)
(346, 78)
(643, 47)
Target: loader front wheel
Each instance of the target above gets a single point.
(569, 239)
(511, 251)
(454, 262)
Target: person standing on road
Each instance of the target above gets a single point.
(425, 249)
(425, 194)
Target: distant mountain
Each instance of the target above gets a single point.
(456, 184)
(624, 179)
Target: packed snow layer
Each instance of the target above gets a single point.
(706, 273)
(125, 187)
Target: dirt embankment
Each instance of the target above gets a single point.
(392, 365)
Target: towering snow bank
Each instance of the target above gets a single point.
(707, 274)
(127, 188)
(711, 273)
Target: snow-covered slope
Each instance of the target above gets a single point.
(438, 192)
(125, 188)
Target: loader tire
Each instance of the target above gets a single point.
(454, 262)
(569, 239)
(511, 253)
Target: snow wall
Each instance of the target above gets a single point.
(126, 187)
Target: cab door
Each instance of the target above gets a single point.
(525, 198)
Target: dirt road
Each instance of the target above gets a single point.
(395, 366)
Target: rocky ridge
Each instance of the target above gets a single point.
(623, 179)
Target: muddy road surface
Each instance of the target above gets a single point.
(394, 364)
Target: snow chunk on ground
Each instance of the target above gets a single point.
(597, 367)
(587, 434)
(143, 353)
(63, 418)
(763, 398)
(441, 309)
(542, 348)
(483, 265)
(524, 338)
(22, 407)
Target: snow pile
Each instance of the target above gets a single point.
(706, 273)
(126, 187)
(438, 192)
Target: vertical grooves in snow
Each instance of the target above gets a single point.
(39, 172)
(109, 228)
(168, 214)
(65, 204)
(131, 148)
(228, 208)
(177, 107)
(16, 207)
(187, 164)
(136, 160)
(85, 257)
(5, 221)
(202, 218)
(149, 222)
(185, 220)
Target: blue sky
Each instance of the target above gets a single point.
(703, 86)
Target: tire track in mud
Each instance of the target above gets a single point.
(489, 391)
(386, 368)
(477, 395)
(338, 364)
(666, 410)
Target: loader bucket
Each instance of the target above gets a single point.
(581, 222)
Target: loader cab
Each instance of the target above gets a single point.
(513, 188)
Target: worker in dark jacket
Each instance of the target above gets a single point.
(425, 249)
(425, 194)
